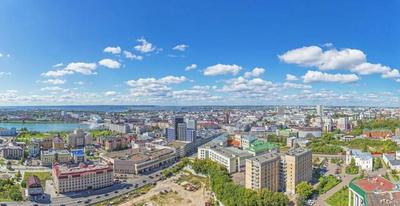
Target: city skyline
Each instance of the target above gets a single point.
(205, 53)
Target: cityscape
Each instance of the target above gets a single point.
(199, 103)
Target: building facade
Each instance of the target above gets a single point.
(263, 171)
(297, 166)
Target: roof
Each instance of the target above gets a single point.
(78, 152)
(261, 146)
(33, 181)
(375, 184)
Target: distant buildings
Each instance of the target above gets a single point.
(343, 124)
(364, 160)
(114, 143)
(119, 128)
(58, 143)
(377, 133)
(320, 110)
(84, 177)
(309, 132)
(182, 130)
(78, 139)
(263, 171)
(8, 132)
(372, 191)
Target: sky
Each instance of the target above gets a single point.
(72, 52)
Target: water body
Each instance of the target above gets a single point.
(47, 127)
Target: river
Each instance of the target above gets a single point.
(48, 127)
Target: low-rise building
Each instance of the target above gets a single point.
(392, 161)
(54, 156)
(372, 191)
(259, 146)
(364, 160)
(78, 156)
(231, 158)
(113, 143)
(34, 187)
(84, 177)
(12, 151)
(58, 143)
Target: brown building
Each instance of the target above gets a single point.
(58, 143)
(377, 133)
(46, 143)
(84, 177)
(114, 143)
(297, 168)
(263, 171)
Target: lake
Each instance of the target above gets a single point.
(47, 127)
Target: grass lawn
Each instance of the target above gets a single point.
(43, 176)
(340, 198)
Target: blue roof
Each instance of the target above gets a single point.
(78, 152)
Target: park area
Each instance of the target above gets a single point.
(340, 198)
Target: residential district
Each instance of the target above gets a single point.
(275, 155)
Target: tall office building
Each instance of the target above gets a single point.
(320, 110)
(263, 171)
(181, 131)
(297, 165)
(191, 124)
(343, 124)
(226, 117)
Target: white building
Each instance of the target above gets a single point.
(364, 160)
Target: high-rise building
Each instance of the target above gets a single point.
(190, 135)
(343, 124)
(263, 171)
(226, 117)
(320, 110)
(191, 124)
(297, 165)
(181, 132)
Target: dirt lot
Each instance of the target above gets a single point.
(177, 196)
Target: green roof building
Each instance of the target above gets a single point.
(261, 146)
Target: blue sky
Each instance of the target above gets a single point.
(122, 52)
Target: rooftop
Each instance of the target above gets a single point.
(258, 146)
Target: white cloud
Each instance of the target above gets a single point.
(316, 76)
(131, 55)
(180, 47)
(394, 73)
(55, 81)
(54, 89)
(112, 50)
(152, 87)
(325, 60)
(2, 74)
(79, 83)
(368, 68)
(110, 93)
(58, 65)
(291, 77)
(256, 72)
(109, 63)
(145, 46)
(222, 69)
(191, 67)
(71, 68)
(290, 85)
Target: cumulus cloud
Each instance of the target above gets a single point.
(291, 77)
(353, 60)
(130, 55)
(256, 72)
(180, 47)
(58, 65)
(110, 93)
(325, 60)
(55, 81)
(112, 50)
(222, 69)
(145, 46)
(316, 76)
(394, 73)
(152, 87)
(191, 67)
(71, 68)
(109, 63)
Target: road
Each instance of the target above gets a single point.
(95, 196)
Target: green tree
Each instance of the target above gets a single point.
(304, 189)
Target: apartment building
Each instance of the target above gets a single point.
(296, 168)
(84, 177)
(52, 156)
(113, 143)
(11, 151)
(263, 171)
